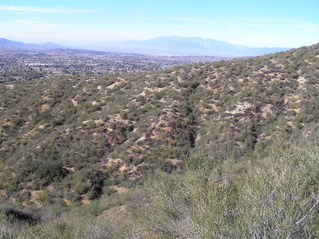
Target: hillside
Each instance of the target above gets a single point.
(67, 141)
(122, 128)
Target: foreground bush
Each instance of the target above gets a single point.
(272, 198)
(251, 197)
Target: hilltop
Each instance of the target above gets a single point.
(70, 140)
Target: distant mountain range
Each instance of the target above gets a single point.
(8, 44)
(174, 46)
(184, 46)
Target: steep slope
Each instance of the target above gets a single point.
(69, 140)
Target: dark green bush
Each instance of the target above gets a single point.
(49, 172)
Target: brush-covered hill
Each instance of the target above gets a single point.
(69, 140)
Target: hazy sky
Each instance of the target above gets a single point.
(283, 23)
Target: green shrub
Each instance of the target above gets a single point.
(272, 198)
(43, 196)
(49, 172)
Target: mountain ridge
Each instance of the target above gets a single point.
(17, 45)
(190, 46)
(173, 46)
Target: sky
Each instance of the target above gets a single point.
(255, 23)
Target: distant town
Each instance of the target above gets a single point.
(17, 64)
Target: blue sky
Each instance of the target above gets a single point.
(254, 23)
